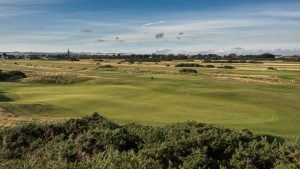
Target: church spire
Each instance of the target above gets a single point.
(69, 53)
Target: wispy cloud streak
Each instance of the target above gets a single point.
(152, 23)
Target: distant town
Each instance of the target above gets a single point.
(76, 56)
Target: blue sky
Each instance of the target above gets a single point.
(146, 26)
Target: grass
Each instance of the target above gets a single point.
(56, 78)
(136, 97)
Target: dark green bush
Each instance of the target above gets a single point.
(256, 62)
(95, 142)
(210, 66)
(188, 65)
(11, 75)
(271, 68)
(227, 67)
(188, 71)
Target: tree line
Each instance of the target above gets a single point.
(231, 58)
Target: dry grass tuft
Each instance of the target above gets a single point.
(57, 78)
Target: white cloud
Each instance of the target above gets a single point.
(152, 23)
(12, 11)
(281, 13)
(32, 37)
(254, 51)
(15, 8)
(206, 25)
(25, 2)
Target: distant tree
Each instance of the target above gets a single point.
(232, 56)
(268, 56)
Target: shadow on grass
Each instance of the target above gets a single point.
(4, 98)
(29, 109)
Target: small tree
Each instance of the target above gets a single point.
(232, 56)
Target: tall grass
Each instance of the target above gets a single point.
(56, 78)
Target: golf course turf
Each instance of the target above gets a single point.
(126, 95)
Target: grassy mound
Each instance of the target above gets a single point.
(226, 67)
(57, 78)
(95, 142)
(106, 68)
(4, 98)
(188, 65)
(188, 71)
(11, 75)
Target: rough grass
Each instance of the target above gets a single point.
(56, 78)
(27, 109)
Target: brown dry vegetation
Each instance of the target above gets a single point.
(255, 79)
(57, 78)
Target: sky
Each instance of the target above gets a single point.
(151, 26)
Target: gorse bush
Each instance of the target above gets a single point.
(226, 67)
(11, 75)
(188, 71)
(188, 65)
(107, 66)
(95, 142)
(271, 68)
(255, 61)
(210, 66)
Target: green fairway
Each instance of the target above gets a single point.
(167, 98)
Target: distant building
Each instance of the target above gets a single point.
(3, 55)
(69, 53)
(71, 56)
(10, 56)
